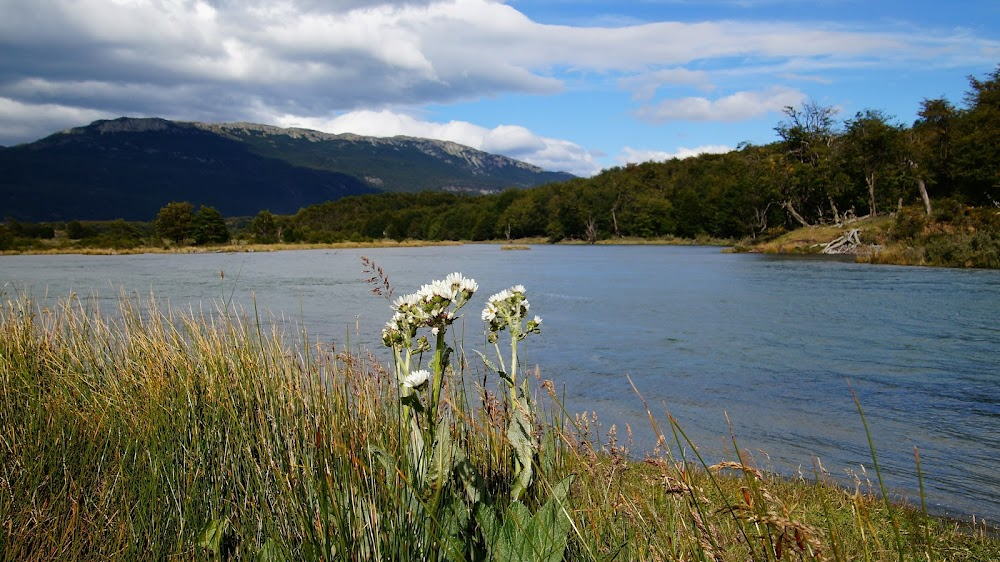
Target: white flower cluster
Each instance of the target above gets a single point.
(433, 306)
(505, 310)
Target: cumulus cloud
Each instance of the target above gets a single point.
(259, 60)
(510, 140)
(734, 107)
(631, 155)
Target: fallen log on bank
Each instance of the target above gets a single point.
(846, 244)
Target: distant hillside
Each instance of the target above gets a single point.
(392, 164)
(129, 168)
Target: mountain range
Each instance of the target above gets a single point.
(131, 167)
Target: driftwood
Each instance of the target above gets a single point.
(846, 244)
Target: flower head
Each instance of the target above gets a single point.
(433, 306)
(416, 379)
(506, 310)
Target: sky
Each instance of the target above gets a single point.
(568, 85)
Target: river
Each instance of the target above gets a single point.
(776, 343)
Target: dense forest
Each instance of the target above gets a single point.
(822, 169)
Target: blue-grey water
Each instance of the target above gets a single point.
(775, 343)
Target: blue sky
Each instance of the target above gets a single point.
(568, 85)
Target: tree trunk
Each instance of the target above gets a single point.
(614, 215)
(836, 214)
(870, 180)
(591, 230)
(760, 220)
(795, 215)
(923, 195)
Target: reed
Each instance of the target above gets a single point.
(152, 433)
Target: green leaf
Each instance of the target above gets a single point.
(270, 552)
(519, 432)
(523, 537)
(517, 534)
(471, 481)
(444, 454)
(553, 524)
(212, 535)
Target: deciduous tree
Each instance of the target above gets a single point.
(264, 228)
(174, 221)
(872, 147)
(977, 146)
(209, 227)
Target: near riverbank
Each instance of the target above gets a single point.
(152, 434)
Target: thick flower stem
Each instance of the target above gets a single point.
(438, 368)
(513, 371)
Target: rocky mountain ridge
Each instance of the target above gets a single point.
(130, 167)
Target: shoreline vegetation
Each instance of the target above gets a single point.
(954, 236)
(151, 433)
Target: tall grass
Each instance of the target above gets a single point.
(130, 437)
(149, 434)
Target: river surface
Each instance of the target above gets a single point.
(775, 343)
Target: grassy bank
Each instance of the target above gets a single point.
(43, 248)
(145, 433)
(216, 249)
(952, 236)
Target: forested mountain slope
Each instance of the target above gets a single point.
(129, 168)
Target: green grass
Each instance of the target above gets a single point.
(150, 434)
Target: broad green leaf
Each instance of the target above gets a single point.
(211, 536)
(442, 459)
(519, 432)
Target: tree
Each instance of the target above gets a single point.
(977, 146)
(930, 148)
(75, 230)
(209, 227)
(872, 147)
(754, 196)
(119, 234)
(264, 228)
(806, 172)
(174, 221)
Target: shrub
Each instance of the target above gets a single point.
(949, 210)
(910, 223)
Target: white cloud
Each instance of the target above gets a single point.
(645, 85)
(19, 121)
(373, 61)
(509, 140)
(638, 156)
(734, 107)
(310, 58)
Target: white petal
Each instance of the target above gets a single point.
(416, 378)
